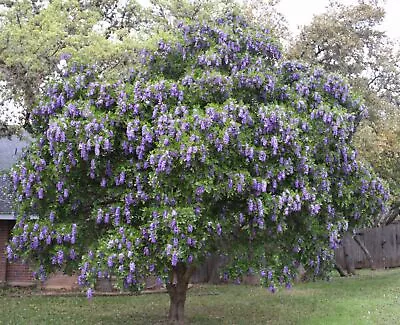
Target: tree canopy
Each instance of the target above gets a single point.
(211, 143)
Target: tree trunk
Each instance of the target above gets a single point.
(177, 306)
(393, 213)
(177, 289)
(388, 217)
(366, 252)
(339, 268)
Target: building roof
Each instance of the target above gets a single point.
(10, 151)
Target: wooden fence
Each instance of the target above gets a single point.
(209, 271)
(383, 243)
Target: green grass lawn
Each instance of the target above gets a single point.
(368, 298)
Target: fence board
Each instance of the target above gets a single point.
(383, 243)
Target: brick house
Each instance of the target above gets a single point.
(18, 273)
(15, 273)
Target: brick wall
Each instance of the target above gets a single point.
(19, 274)
(4, 231)
(59, 281)
(15, 273)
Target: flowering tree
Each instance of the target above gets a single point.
(211, 144)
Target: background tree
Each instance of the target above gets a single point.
(35, 36)
(210, 144)
(263, 13)
(348, 40)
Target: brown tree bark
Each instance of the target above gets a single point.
(339, 268)
(388, 217)
(177, 289)
(393, 213)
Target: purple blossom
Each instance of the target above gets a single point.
(60, 257)
(151, 268)
(219, 229)
(315, 209)
(40, 193)
(262, 156)
(51, 216)
(110, 261)
(174, 259)
(35, 243)
(72, 254)
(175, 241)
(59, 186)
(200, 190)
(274, 144)
(89, 293)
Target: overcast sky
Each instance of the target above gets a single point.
(300, 12)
